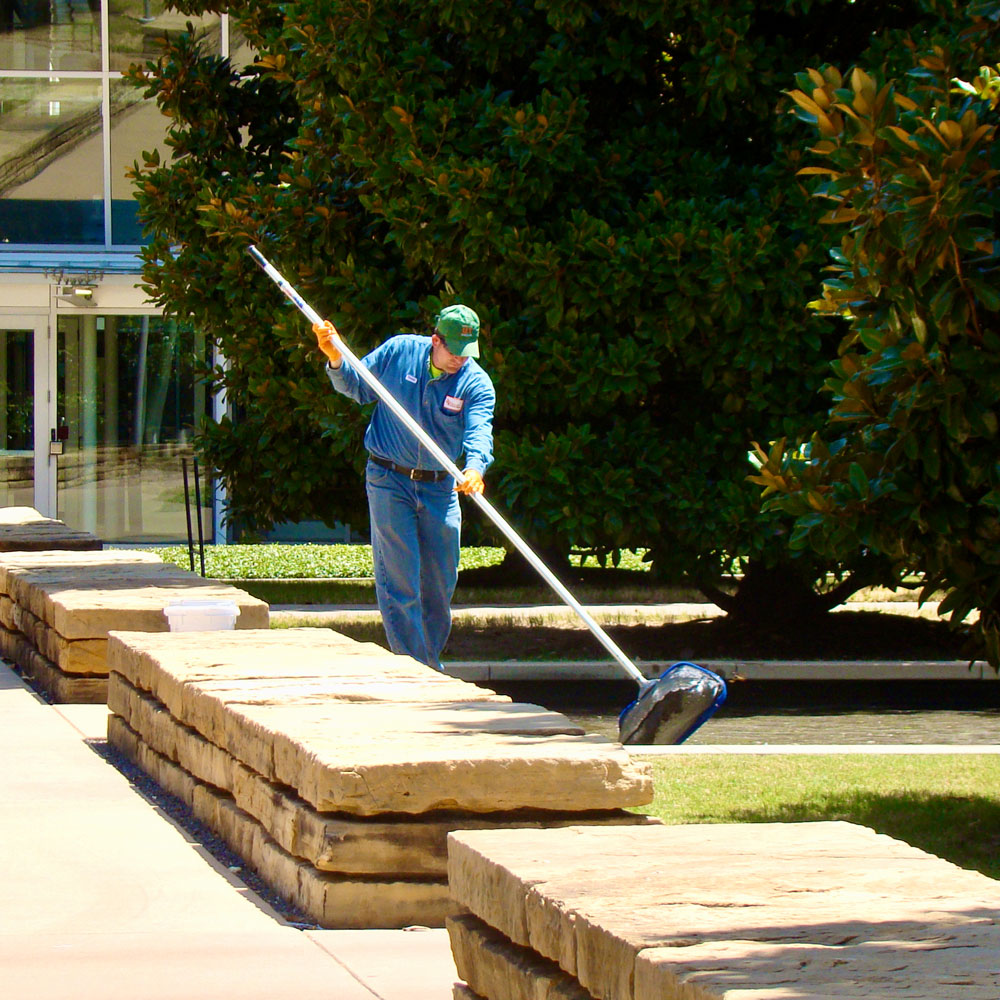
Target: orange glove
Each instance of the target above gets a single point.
(325, 334)
(473, 482)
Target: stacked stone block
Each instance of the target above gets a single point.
(337, 769)
(770, 911)
(23, 529)
(57, 607)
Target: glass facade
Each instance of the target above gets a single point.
(99, 399)
(69, 126)
(128, 402)
(41, 35)
(50, 135)
(134, 125)
(17, 418)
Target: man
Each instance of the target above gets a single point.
(412, 501)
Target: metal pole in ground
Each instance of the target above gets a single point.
(197, 507)
(187, 513)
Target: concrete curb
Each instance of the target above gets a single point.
(731, 670)
(807, 749)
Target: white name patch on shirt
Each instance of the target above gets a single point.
(411, 378)
(452, 404)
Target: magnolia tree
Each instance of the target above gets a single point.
(909, 166)
(608, 185)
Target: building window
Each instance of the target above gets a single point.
(69, 125)
(128, 402)
(50, 133)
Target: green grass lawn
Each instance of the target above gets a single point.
(319, 562)
(947, 805)
(342, 574)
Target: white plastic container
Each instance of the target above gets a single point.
(201, 616)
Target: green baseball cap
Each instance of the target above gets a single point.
(458, 326)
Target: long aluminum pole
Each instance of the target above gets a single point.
(435, 449)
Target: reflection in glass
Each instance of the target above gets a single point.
(128, 402)
(241, 52)
(136, 125)
(51, 161)
(50, 34)
(17, 424)
(135, 27)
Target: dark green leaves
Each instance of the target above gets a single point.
(916, 386)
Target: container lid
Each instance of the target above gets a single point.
(230, 607)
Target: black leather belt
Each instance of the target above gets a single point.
(417, 475)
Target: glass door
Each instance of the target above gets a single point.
(22, 430)
(128, 400)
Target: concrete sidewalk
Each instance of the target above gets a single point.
(103, 896)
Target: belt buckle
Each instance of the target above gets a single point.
(414, 473)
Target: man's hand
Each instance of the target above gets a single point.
(325, 334)
(473, 482)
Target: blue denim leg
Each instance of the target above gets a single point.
(415, 529)
(439, 525)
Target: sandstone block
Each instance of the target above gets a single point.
(329, 842)
(594, 899)
(80, 656)
(207, 762)
(494, 967)
(391, 737)
(330, 900)
(385, 844)
(59, 685)
(18, 568)
(25, 529)
(84, 595)
(481, 757)
(197, 677)
(170, 777)
(951, 965)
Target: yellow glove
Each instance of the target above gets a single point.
(473, 482)
(325, 334)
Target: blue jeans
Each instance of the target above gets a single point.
(415, 529)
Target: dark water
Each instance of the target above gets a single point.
(773, 712)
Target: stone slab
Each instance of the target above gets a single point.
(368, 734)
(395, 845)
(60, 686)
(76, 656)
(160, 731)
(14, 565)
(25, 529)
(961, 966)
(493, 967)
(329, 899)
(84, 595)
(393, 736)
(197, 678)
(477, 757)
(594, 900)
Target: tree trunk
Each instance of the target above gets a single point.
(783, 595)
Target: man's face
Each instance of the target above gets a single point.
(442, 358)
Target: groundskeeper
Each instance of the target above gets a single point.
(412, 501)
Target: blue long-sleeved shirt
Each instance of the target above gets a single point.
(455, 410)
